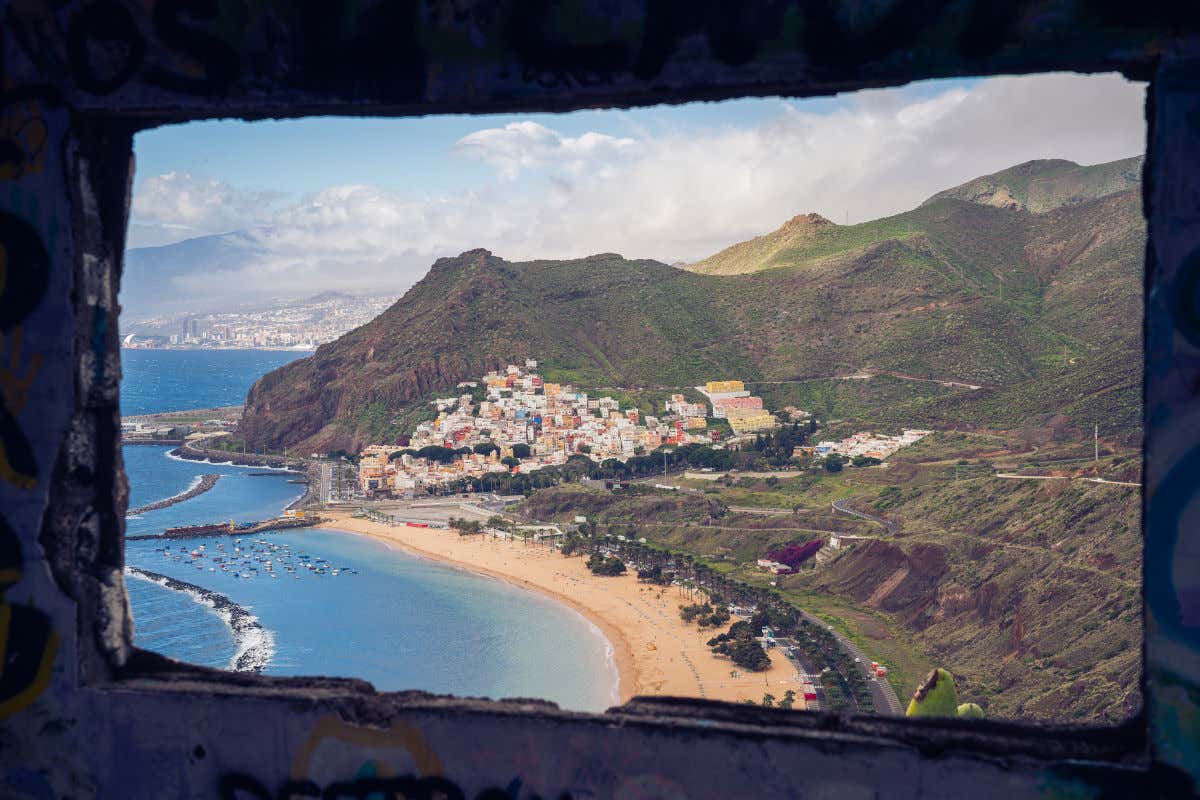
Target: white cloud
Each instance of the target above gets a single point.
(180, 205)
(527, 145)
(681, 195)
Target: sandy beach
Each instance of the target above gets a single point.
(656, 653)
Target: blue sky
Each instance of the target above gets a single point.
(369, 204)
(415, 155)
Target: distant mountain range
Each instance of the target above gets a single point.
(151, 281)
(200, 276)
(1026, 282)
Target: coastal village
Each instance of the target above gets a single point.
(515, 421)
(516, 416)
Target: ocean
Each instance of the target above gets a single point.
(176, 380)
(397, 620)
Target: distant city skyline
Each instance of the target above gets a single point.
(345, 203)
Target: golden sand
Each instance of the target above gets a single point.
(656, 653)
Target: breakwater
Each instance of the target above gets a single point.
(304, 470)
(255, 644)
(190, 452)
(201, 485)
(208, 531)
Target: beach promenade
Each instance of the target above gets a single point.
(655, 652)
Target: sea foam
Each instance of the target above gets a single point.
(255, 644)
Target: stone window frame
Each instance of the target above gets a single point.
(82, 527)
(101, 185)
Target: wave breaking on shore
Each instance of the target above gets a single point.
(255, 644)
(176, 454)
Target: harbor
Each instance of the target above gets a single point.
(290, 522)
(247, 559)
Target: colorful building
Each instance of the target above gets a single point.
(747, 420)
(724, 387)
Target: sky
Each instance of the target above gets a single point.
(368, 204)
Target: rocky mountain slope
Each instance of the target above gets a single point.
(1041, 309)
(1033, 598)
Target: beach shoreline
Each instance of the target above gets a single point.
(654, 651)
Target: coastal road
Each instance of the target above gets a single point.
(326, 483)
(788, 646)
(886, 701)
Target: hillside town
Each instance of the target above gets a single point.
(514, 421)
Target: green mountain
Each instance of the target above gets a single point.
(751, 256)
(1037, 301)
(1041, 186)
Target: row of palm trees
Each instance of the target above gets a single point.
(696, 578)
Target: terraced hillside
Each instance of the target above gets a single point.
(1041, 309)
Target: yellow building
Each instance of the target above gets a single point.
(693, 423)
(723, 387)
(552, 389)
(746, 420)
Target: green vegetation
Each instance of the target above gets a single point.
(466, 527)
(742, 647)
(1039, 309)
(608, 566)
(1026, 597)
(704, 615)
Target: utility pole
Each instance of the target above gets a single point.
(1096, 442)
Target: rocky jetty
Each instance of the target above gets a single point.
(202, 485)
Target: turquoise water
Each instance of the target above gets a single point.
(397, 620)
(241, 493)
(403, 622)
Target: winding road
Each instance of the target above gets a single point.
(840, 505)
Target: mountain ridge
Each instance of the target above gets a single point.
(954, 289)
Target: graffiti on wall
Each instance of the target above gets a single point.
(27, 640)
(24, 275)
(339, 760)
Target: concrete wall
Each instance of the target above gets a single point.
(84, 714)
